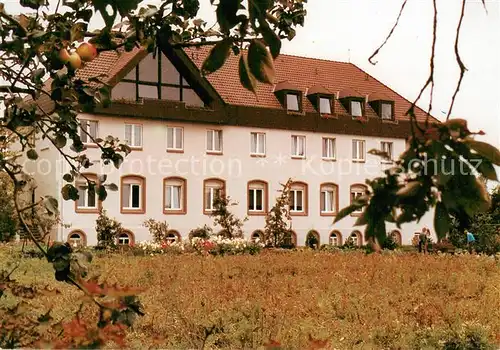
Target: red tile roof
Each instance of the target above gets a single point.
(300, 72)
(303, 73)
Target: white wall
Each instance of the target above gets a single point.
(237, 167)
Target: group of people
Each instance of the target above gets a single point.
(425, 238)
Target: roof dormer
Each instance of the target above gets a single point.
(382, 105)
(353, 102)
(289, 96)
(321, 98)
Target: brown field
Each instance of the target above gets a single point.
(352, 300)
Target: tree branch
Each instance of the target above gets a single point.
(375, 53)
(459, 59)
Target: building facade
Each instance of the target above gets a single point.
(193, 137)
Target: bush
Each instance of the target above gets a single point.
(230, 223)
(203, 232)
(157, 229)
(8, 218)
(389, 243)
(107, 230)
(277, 230)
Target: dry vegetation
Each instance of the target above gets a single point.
(350, 299)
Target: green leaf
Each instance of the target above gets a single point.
(117, 161)
(410, 189)
(226, 14)
(260, 62)
(112, 187)
(69, 192)
(487, 170)
(103, 178)
(77, 31)
(68, 178)
(271, 38)
(102, 193)
(484, 149)
(247, 80)
(217, 57)
(31, 154)
(379, 153)
(361, 221)
(347, 211)
(51, 205)
(441, 220)
(60, 141)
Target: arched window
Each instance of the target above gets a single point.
(357, 190)
(356, 238)
(298, 199)
(396, 237)
(133, 194)
(125, 238)
(335, 238)
(312, 239)
(257, 197)
(329, 199)
(173, 236)
(88, 201)
(257, 236)
(174, 195)
(77, 238)
(212, 188)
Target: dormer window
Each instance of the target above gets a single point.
(325, 105)
(289, 96)
(356, 109)
(321, 98)
(382, 105)
(292, 102)
(353, 102)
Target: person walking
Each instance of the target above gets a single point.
(470, 241)
(421, 240)
(427, 240)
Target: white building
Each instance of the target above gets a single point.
(192, 135)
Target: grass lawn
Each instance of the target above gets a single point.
(352, 300)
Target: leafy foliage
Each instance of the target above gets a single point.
(484, 226)
(438, 169)
(203, 232)
(231, 225)
(8, 217)
(107, 230)
(277, 229)
(157, 229)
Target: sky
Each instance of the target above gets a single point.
(350, 30)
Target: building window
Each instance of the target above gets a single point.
(298, 146)
(386, 111)
(77, 239)
(328, 148)
(133, 195)
(335, 238)
(173, 237)
(298, 198)
(258, 143)
(174, 195)
(212, 189)
(87, 198)
(133, 135)
(88, 130)
(257, 197)
(292, 102)
(325, 105)
(175, 139)
(356, 108)
(356, 192)
(356, 239)
(358, 150)
(214, 141)
(387, 148)
(257, 236)
(328, 199)
(125, 238)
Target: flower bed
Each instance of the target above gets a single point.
(213, 246)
